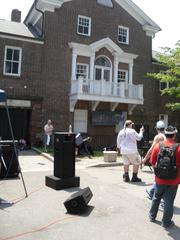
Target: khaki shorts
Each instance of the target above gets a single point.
(134, 159)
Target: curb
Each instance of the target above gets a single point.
(46, 155)
(100, 164)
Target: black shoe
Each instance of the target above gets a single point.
(126, 177)
(151, 219)
(171, 224)
(136, 179)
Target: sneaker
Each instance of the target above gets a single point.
(171, 224)
(149, 194)
(136, 179)
(126, 178)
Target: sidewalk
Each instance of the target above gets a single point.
(116, 211)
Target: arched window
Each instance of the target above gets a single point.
(102, 61)
(103, 69)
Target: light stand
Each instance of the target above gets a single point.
(3, 98)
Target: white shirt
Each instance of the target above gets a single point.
(127, 140)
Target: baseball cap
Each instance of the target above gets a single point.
(127, 123)
(170, 130)
(160, 124)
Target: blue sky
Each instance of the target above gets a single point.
(164, 12)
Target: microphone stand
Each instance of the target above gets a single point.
(14, 145)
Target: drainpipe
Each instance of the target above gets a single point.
(37, 9)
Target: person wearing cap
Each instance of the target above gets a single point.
(127, 144)
(165, 188)
(160, 136)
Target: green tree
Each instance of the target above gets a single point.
(170, 61)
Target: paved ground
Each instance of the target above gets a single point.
(117, 210)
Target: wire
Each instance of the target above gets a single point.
(38, 229)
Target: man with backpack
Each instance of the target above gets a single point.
(165, 159)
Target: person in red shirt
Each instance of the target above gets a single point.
(165, 188)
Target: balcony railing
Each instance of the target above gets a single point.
(107, 89)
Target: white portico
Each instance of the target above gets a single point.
(101, 83)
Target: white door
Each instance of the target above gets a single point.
(102, 79)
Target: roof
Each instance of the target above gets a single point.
(148, 25)
(16, 29)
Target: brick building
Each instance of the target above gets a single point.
(79, 62)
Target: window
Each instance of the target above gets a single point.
(122, 76)
(84, 25)
(163, 85)
(12, 61)
(80, 120)
(123, 35)
(82, 71)
(164, 118)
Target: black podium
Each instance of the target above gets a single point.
(64, 162)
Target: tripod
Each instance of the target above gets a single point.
(4, 99)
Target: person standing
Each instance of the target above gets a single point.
(127, 144)
(165, 188)
(48, 130)
(160, 136)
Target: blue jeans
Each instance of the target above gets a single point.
(168, 193)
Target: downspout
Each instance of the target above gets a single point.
(37, 9)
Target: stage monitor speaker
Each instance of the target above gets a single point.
(64, 155)
(9, 166)
(78, 202)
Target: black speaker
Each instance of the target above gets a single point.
(78, 202)
(64, 155)
(9, 166)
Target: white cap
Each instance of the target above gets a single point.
(160, 124)
(170, 130)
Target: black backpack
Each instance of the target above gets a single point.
(165, 166)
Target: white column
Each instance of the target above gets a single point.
(73, 68)
(130, 73)
(115, 75)
(92, 58)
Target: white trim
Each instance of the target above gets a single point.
(87, 68)
(17, 103)
(128, 5)
(127, 35)
(107, 43)
(21, 39)
(126, 75)
(138, 14)
(19, 61)
(89, 26)
(103, 67)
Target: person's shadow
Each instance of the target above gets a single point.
(174, 232)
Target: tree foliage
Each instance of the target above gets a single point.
(170, 60)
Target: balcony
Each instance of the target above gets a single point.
(105, 91)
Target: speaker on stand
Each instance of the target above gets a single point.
(64, 162)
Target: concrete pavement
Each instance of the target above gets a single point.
(117, 210)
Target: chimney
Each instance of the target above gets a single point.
(16, 15)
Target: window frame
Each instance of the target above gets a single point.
(87, 70)
(162, 88)
(89, 27)
(127, 35)
(12, 61)
(126, 76)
